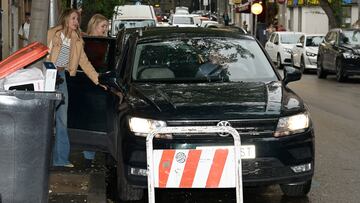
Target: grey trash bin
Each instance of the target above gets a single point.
(26, 131)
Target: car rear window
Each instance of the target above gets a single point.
(201, 59)
(289, 38)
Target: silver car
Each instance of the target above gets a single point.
(304, 54)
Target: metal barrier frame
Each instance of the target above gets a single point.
(194, 130)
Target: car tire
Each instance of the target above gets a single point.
(126, 192)
(296, 190)
(278, 62)
(302, 65)
(321, 73)
(340, 75)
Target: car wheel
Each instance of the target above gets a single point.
(321, 73)
(340, 75)
(278, 62)
(126, 192)
(302, 65)
(296, 190)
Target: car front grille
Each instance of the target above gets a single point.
(245, 127)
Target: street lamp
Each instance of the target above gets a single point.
(256, 9)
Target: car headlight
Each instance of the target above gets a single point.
(287, 50)
(349, 55)
(292, 124)
(310, 54)
(142, 126)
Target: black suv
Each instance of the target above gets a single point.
(340, 54)
(194, 77)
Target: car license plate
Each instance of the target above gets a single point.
(247, 151)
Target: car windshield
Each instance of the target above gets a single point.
(183, 20)
(352, 37)
(289, 38)
(201, 60)
(314, 41)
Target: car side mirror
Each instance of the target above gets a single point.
(299, 45)
(291, 74)
(109, 80)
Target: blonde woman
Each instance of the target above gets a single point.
(67, 53)
(98, 26)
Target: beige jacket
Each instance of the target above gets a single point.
(77, 53)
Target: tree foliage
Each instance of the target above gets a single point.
(333, 9)
(91, 7)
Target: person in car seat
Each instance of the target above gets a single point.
(66, 51)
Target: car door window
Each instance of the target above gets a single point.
(272, 37)
(336, 37)
(301, 40)
(328, 37)
(100, 52)
(276, 40)
(332, 38)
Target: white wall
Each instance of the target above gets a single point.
(314, 20)
(354, 14)
(5, 29)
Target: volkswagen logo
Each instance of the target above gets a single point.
(223, 123)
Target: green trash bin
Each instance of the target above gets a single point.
(26, 132)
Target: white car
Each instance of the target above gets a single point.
(182, 10)
(279, 47)
(304, 54)
(206, 23)
(182, 20)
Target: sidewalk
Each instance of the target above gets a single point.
(78, 184)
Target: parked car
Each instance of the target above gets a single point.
(279, 47)
(206, 23)
(182, 10)
(193, 77)
(340, 54)
(132, 16)
(179, 20)
(304, 54)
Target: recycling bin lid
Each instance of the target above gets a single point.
(22, 58)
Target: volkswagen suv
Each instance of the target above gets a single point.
(198, 77)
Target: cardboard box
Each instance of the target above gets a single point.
(30, 79)
(50, 72)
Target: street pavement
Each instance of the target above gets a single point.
(79, 184)
(335, 111)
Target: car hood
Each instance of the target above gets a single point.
(212, 101)
(354, 48)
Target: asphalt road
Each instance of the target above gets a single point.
(335, 111)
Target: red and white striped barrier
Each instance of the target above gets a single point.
(204, 168)
(207, 167)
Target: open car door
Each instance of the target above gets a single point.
(89, 110)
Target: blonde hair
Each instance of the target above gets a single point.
(94, 21)
(64, 19)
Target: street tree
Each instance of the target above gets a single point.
(333, 10)
(39, 20)
(90, 7)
